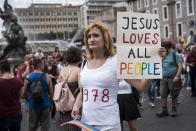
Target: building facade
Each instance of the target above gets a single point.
(45, 18)
(109, 18)
(92, 8)
(177, 17)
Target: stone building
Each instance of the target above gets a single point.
(92, 8)
(109, 18)
(177, 17)
(45, 18)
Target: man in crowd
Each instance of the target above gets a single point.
(26, 68)
(172, 68)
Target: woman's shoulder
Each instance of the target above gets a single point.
(113, 58)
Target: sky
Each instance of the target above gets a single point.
(27, 3)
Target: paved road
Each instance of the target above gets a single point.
(185, 121)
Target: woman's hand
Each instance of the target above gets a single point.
(162, 52)
(75, 113)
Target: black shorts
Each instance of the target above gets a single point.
(128, 107)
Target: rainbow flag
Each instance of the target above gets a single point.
(81, 125)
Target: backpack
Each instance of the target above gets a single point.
(65, 101)
(63, 98)
(37, 90)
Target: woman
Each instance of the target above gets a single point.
(127, 106)
(10, 106)
(70, 74)
(99, 81)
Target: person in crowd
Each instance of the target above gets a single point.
(15, 69)
(44, 60)
(191, 38)
(180, 45)
(61, 64)
(56, 54)
(127, 106)
(191, 62)
(71, 75)
(10, 94)
(151, 93)
(27, 67)
(29, 51)
(51, 69)
(172, 68)
(39, 114)
(99, 83)
(39, 54)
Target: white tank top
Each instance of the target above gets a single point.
(100, 87)
(124, 88)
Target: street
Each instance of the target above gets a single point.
(185, 121)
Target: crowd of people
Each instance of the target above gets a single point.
(99, 98)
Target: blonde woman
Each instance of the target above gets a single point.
(98, 95)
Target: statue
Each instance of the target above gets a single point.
(13, 34)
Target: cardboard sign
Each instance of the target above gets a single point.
(138, 42)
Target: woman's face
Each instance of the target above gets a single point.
(95, 39)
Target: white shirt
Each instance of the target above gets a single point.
(39, 55)
(60, 66)
(100, 87)
(124, 88)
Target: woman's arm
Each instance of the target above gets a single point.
(50, 89)
(24, 89)
(140, 84)
(75, 111)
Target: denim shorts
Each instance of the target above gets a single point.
(11, 124)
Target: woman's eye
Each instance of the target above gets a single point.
(95, 35)
(89, 36)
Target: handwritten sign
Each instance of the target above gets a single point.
(138, 38)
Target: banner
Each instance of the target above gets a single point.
(138, 42)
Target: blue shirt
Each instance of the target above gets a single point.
(170, 67)
(33, 77)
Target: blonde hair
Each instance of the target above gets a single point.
(108, 42)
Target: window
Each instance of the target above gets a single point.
(155, 11)
(154, 2)
(139, 4)
(130, 6)
(146, 3)
(30, 14)
(166, 31)
(179, 29)
(165, 13)
(178, 10)
(190, 7)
